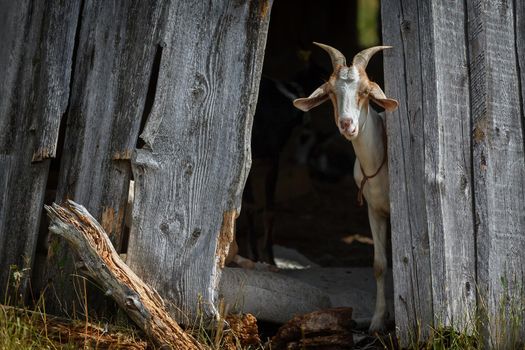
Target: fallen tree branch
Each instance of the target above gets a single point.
(141, 302)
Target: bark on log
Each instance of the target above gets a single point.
(142, 303)
(324, 329)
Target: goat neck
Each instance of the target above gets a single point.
(369, 145)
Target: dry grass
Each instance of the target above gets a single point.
(22, 328)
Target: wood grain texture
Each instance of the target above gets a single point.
(498, 165)
(405, 70)
(117, 45)
(465, 186)
(193, 166)
(448, 187)
(36, 45)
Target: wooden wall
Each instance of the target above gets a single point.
(189, 74)
(457, 165)
(97, 73)
(191, 171)
(36, 47)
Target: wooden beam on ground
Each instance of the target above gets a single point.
(142, 303)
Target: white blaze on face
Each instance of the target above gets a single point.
(345, 90)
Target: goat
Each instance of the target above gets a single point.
(350, 91)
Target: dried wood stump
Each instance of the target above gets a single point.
(142, 303)
(323, 329)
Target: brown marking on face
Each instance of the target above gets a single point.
(332, 95)
(363, 90)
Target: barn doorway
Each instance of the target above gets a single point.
(301, 194)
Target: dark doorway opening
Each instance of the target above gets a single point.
(301, 193)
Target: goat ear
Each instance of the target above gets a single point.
(378, 96)
(315, 99)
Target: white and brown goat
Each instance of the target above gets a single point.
(350, 91)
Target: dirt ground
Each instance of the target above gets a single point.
(316, 222)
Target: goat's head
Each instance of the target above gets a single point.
(349, 89)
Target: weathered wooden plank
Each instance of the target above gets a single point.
(519, 32)
(36, 45)
(196, 156)
(448, 185)
(498, 166)
(473, 190)
(405, 72)
(5, 174)
(118, 44)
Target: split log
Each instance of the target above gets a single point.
(141, 302)
(324, 329)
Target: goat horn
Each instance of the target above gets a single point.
(337, 57)
(362, 58)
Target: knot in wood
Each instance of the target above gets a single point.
(405, 25)
(133, 302)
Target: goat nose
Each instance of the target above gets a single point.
(345, 124)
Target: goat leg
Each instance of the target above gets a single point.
(378, 225)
